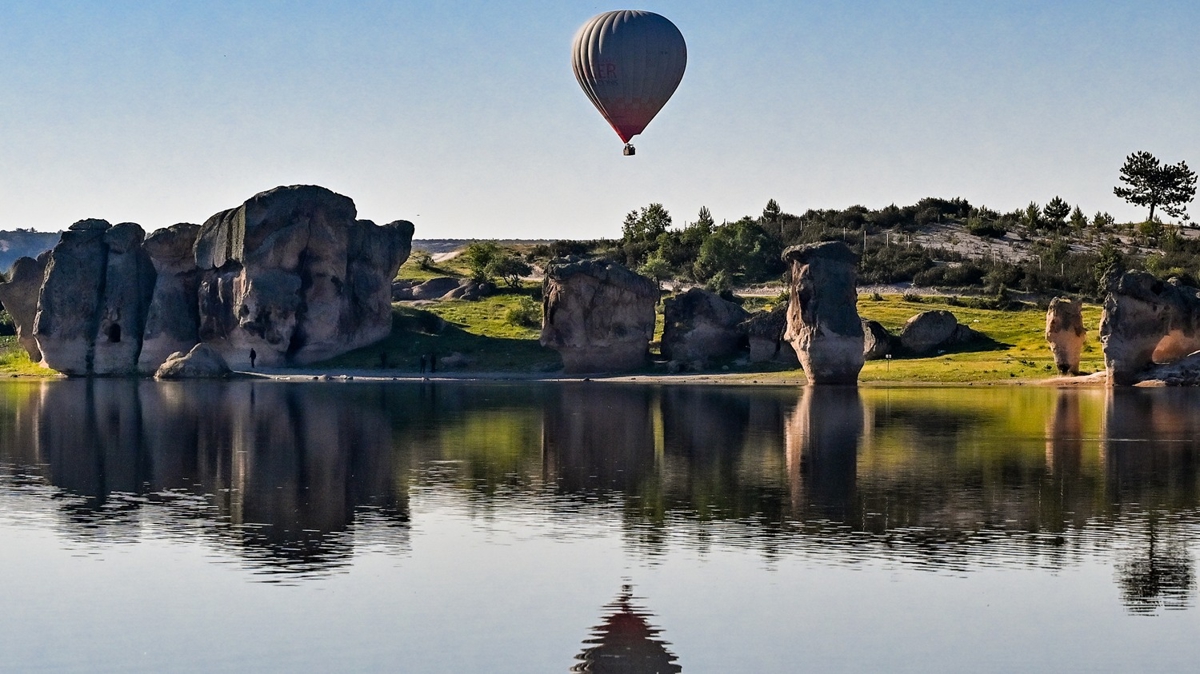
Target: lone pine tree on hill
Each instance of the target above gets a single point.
(1170, 187)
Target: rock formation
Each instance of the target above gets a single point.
(202, 362)
(822, 320)
(699, 325)
(172, 321)
(598, 315)
(441, 288)
(293, 275)
(94, 299)
(290, 273)
(877, 341)
(765, 332)
(1065, 332)
(19, 294)
(129, 281)
(1147, 321)
(930, 331)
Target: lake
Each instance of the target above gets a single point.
(596, 527)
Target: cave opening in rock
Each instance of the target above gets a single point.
(114, 333)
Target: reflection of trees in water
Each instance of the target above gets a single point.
(1152, 452)
(625, 642)
(939, 480)
(1157, 572)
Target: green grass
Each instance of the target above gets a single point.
(479, 330)
(14, 360)
(410, 271)
(1018, 349)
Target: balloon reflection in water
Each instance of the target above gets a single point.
(625, 642)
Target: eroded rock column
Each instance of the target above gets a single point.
(822, 321)
(1065, 333)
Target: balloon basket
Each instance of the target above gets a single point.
(629, 150)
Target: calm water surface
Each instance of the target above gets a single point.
(590, 527)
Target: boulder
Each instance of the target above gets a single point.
(764, 331)
(878, 342)
(172, 320)
(699, 325)
(72, 293)
(1147, 321)
(19, 294)
(434, 288)
(201, 362)
(293, 275)
(822, 317)
(598, 315)
(931, 331)
(1065, 333)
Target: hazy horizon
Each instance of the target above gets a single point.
(465, 117)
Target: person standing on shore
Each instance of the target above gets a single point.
(253, 355)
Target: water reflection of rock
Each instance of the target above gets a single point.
(625, 642)
(1152, 452)
(285, 469)
(598, 438)
(822, 452)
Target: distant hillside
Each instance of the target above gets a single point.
(24, 243)
(438, 246)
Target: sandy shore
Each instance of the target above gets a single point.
(1098, 379)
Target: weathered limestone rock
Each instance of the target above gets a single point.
(822, 321)
(1147, 321)
(172, 320)
(20, 296)
(293, 275)
(94, 299)
(765, 331)
(202, 362)
(69, 308)
(441, 288)
(877, 341)
(598, 315)
(129, 279)
(1065, 332)
(930, 331)
(699, 325)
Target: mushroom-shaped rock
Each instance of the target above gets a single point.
(822, 320)
(202, 362)
(765, 332)
(598, 315)
(20, 297)
(1065, 333)
(1147, 321)
(699, 325)
(878, 342)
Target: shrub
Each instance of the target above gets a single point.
(526, 313)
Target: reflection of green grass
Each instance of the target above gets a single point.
(14, 360)
(478, 330)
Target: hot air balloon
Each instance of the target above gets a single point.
(629, 63)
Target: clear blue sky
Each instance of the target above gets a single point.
(465, 118)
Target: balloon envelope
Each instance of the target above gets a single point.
(629, 63)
